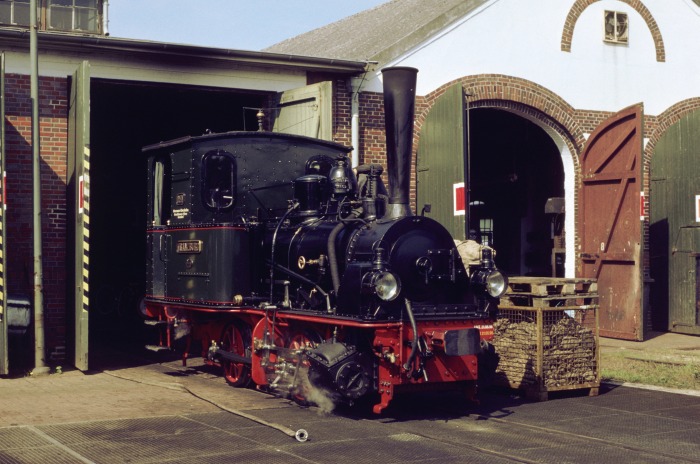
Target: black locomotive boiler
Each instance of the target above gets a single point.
(299, 274)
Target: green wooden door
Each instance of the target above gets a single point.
(441, 162)
(674, 234)
(79, 191)
(306, 111)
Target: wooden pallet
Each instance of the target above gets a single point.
(546, 286)
(559, 301)
(537, 392)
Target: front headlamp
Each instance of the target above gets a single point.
(490, 281)
(384, 284)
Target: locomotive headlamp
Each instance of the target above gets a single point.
(490, 281)
(384, 284)
(487, 278)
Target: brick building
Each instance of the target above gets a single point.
(593, 104)
(531, 97)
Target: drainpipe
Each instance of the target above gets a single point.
(105, 17)
(39, 356)
(355, 85)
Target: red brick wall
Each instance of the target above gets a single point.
(372, 147)
(53, 104)
(372, 139)
(342, 103)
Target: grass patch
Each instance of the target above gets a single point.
(621, 368)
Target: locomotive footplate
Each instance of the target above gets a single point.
(469, 311)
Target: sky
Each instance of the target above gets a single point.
(236, 24)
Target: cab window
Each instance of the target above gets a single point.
(218, 180)
(162, 175)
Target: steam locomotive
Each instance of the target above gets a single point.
(306, 277)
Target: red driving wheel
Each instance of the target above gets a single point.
(236, 338)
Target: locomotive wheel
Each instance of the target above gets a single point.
(236, 338)
(299, 339)
(304, 339)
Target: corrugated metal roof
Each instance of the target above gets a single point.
(380, 33)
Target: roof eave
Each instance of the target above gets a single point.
(19, 37)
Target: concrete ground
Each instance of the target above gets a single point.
(659, 344)
(148, 410)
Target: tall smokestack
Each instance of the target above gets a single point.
(399, 109)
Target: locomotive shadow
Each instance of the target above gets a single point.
(107, 357)
(439, 406)
(493, 402)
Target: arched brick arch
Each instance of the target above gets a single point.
(665, 120)
(519, 95)
(580, 5)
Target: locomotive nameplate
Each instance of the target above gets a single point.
(189, 246)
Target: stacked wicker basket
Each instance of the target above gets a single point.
(547, 336)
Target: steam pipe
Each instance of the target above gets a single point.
(399, 110)
(332, 254)
(274, 242)
(322, 292)
(408, 365)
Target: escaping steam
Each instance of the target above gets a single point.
(181, 330)
(322, 398)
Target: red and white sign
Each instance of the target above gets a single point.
(458, 199)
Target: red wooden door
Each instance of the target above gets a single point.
(609, 225)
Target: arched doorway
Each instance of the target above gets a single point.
(518, 159)
(515, 166)
(515, 169)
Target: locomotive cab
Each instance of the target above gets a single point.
(209, 199)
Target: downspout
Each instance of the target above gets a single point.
(105, 17)
(355, 85)
(39, 361)
(4, 357)
(467, 175)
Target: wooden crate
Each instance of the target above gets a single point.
(549, 340)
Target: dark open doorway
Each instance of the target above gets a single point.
(125, 117)
(515, 168)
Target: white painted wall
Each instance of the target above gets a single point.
(523, 39)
